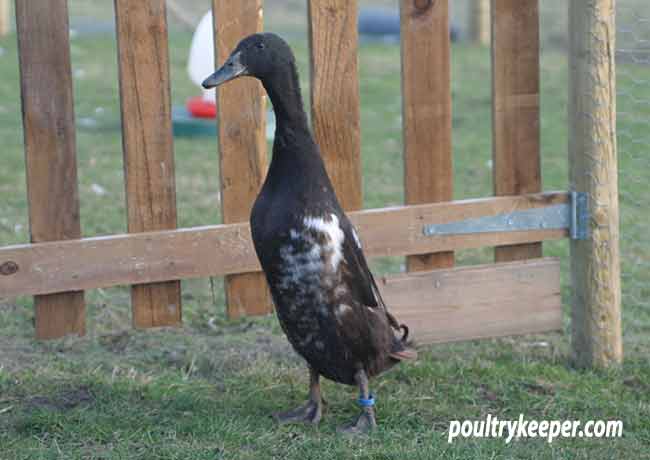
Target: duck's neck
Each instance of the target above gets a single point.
(283, 88)
(294, 148)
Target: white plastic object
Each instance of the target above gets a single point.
(201, 61)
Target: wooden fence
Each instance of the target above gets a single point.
(518, 294)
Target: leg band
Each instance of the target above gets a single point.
(366, 402)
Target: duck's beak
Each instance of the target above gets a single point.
(230, 70)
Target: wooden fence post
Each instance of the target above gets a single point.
(148, 144)
(426, 112)
(515, 108)
(335, 112)
(242, 145)
(595, 266)
(50, 149)
(478, 22)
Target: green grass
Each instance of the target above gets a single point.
(209, 406)
(205, 390)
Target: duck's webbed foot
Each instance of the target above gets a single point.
(365, 422)
(311, 411)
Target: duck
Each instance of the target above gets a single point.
(325, 296)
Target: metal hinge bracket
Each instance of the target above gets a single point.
(572, 216)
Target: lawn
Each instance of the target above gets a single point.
(205, 390)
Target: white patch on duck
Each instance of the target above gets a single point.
(340, 290)
(335, 236)
(300, 269)
(341, 310)
(356, 238)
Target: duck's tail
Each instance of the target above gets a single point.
(403, 348)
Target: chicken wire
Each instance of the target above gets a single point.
(633, 142)
(633, 112)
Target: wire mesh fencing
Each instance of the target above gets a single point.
(633, 111)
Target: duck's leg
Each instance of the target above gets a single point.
(366, 420)
(311, 411)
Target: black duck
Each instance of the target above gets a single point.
(326, 299)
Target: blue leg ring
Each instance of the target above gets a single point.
(366, 402)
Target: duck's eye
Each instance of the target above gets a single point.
(260, 46)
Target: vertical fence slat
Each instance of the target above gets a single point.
(242, 145)
(147, 143)
(50, 150)
(426, 112)
(595, 262)
(515, 107)
(335, 111)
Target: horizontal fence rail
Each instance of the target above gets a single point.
(451, 304)
(227, 249)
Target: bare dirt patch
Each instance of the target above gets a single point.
(63, 401)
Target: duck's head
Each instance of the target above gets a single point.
(258, 55)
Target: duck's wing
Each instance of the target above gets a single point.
(368, 330)
(356, 274)
(358, 277)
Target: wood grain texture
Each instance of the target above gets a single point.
(595, 262)
(335, 112)
(242, 145)
(228, 249)
(50, 150)
(426, 112)
(515, 107)
(147, 144)
(450, 304)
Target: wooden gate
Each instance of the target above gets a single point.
(520, 293)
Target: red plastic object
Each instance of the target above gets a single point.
(200, 108)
